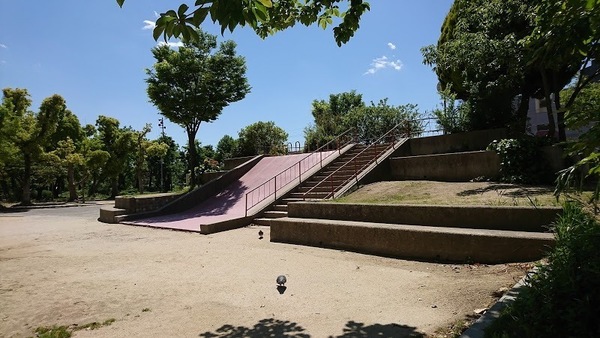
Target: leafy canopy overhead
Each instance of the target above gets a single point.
(266, 17)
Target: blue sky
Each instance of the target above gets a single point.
(94, 54)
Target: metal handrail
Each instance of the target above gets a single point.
(272, 182)
(356, 170)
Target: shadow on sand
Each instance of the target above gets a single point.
(272, 328)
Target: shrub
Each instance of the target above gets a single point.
(521, 160)
(562, 299)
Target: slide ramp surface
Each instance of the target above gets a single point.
(228, 204)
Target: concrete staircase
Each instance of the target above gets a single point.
(481, 234)
(322, 184)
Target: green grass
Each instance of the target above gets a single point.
(56, 331)
(440, 193)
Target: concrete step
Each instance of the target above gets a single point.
(110, 214)
(415, 241)
(262, 221)
(290, 199)
(325, 187)
(274, 214)
(280, 207)
(308, 196)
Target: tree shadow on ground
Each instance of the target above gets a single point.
(270, 328)
(274, 328)
(360, 330)
(516, 191)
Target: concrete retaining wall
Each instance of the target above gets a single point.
(478, 217)
(416, 242)
(457, 167)
(471, 141)
(143, 203)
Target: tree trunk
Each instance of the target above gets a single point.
(560, 114)
(549, 110)
(521, 126)
(192, 161)
(114, 191)
(26, 196)
(71, 182)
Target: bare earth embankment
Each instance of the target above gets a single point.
(61, 266)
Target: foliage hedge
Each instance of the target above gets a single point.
(563, 298)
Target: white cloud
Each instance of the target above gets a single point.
(391, 45)
(3, 45)
(382, 63)
(171, 44)
(149, 24)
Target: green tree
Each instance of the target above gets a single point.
(119, 144)
(166, 170)
(192, 85)
(261, 138)
(453, 116)
(266, 17)
(328, 117)
(492, 52)
(481, 58)
(583, 115)
(372, 122)
(565, 41)
(226, 148)
(29, 131)
(69, 159)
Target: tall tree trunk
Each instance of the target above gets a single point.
(549, 110)
(114, 183)
(71, 182)
(522, 111)
(193, 161)
(560, 114)
(26, 196)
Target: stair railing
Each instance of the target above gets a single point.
(295, 171)
(378, 144)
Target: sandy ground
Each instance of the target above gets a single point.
(62, 267)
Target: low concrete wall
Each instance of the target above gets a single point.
(209, 176)
(231, 163)
(413, 241)
(455, 167)
(477, 217)
(143, 203)
(471, 141)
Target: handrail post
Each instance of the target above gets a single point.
(300, 172)
(275, 188)
(331, 182)
(246, 214)
(321, 159)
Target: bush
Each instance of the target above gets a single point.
(521, 160)
(562, 299)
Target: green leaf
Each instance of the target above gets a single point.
(182, 9)
(260, 11)
(590, 5)
(158, 30)
(199, 16)
(266, 3)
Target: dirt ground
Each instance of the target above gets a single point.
(62, 267)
